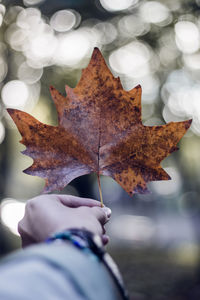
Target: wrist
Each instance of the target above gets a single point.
(80, 238)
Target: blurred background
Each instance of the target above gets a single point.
(155, 239)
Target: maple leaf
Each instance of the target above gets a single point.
(99, 130)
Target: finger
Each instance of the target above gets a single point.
(73, 201)
(108, 211)
(26, 239)
(21, 226)
(105, 239)
(100, 214)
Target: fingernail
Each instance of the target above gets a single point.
(107, 210)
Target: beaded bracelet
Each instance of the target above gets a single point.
(82, 239)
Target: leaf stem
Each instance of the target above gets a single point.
(100, 191)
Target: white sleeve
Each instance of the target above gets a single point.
(36, 279)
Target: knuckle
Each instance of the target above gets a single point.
(32, 204)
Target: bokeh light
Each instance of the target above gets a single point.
(15, 94)
(28, 74)
(192, 61)
(132, 26)
(63, 20)
(11, 14)
(168, 187)
(106, 31)
(12, 211)
(181, 95)
(187, 36)
(117, 5)
(155, 12)
(28, 18)
(39, 51)
(2, 9)
(131, 59)
(2, 132)
(68, 51)
(16, 37)
(32, 2)
(3, 69)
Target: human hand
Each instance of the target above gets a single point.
(48, 214)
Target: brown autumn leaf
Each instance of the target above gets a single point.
(100, 130)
